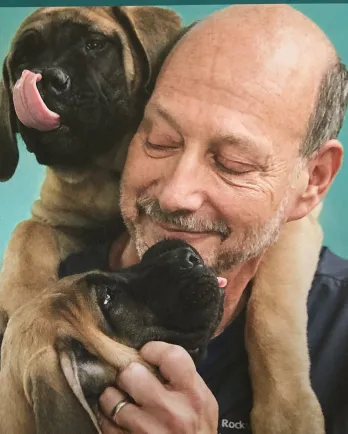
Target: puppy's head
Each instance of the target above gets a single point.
(169, 296)
(76, 80)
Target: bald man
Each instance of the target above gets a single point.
(238, 138)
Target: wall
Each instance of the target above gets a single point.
(17, 195)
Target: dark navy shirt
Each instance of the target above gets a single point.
(225, 369)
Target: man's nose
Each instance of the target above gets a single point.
(183, 187)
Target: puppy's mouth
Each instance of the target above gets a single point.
(69, 123)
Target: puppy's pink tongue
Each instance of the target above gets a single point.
(30, 107)
(222, 282)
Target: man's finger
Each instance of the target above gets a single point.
(108, 427)
(141, 385)
(130, 417)
(109, 400)
(174, 363)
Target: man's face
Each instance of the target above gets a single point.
(213, 162)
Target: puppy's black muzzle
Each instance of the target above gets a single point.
(186, 257)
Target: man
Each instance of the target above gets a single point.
(238, 138)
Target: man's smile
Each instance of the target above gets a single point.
(176, 232)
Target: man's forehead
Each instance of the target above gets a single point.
(265, 52)
(277, 67)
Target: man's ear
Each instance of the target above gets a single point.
(317, 177)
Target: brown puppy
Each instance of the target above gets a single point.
(79, 197)
(98, 66)
(63, 348)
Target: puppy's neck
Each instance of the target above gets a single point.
(88, 200)
(84, 197)
(70, 176)
(114, 160)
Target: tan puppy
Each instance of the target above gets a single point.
(276, 336)
(64, 347)
(79, 197)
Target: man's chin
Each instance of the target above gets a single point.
(205, 247)
(146, 232)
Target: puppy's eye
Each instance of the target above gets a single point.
(105, 294)
(27, 48)
(107, 297)
(95, 44)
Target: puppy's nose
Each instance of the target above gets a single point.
(189, 258)
(56, 80)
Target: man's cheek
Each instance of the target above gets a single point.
(260, 200)
(142, 170)
(242, 207)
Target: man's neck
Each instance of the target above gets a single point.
(235, 296)
(123, 254)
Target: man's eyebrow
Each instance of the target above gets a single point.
(163, 113)
(238, 140)
(245, 143)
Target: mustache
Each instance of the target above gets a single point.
(180, 220)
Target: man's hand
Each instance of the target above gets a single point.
(183, 405)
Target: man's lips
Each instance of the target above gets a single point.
(173, 231)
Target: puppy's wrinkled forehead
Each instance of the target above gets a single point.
(60, 22)
(75, 300)
(98, 19)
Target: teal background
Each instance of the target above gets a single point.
(17, 195)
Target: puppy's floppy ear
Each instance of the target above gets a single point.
(154, 29)
(87, 375)
(8, 141)
(55, 406)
